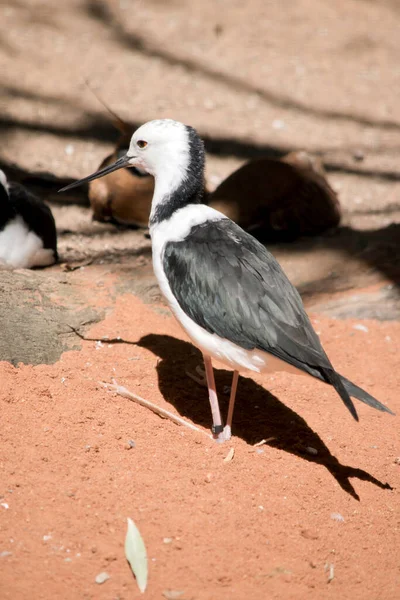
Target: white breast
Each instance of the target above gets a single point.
(21, 248)
(222, 350)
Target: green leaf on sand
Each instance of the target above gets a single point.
(135, 552)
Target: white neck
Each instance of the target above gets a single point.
(167, 181)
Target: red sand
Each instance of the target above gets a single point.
(257, 527)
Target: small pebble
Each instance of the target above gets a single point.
(397, 460)
(361, 327)
(209, 104)
(311, 450)
(4, 505)
(167, 540)
(5, 553)
(337, 517)
(358, 155)
(278, 124)
(69, 149)
(102, 577)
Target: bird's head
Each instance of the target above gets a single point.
(160, 145)
(164, 148)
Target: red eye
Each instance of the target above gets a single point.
(141, 143)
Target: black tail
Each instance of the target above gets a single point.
(343, 386)
(360, 394)
(339, 383)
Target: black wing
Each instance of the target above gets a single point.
(230, 285)
(36, 214)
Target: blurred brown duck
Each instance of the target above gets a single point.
(125, 195)
(279, 199)
(274, 199)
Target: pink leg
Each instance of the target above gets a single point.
(227, 430)
(217, 427)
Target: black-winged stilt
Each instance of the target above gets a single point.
(226, 290)
(28, 235)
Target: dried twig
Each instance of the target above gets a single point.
(104, 339)
(161, 412)
(73, 266)
(330, 568)
(230, 455)
(262, 442)
(201, 380)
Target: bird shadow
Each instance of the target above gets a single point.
(283, 428)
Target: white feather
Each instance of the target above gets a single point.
(21, 248)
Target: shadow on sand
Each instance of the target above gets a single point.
(258, 413)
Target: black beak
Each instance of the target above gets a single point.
(121, 163)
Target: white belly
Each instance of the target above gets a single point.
(210, 344)
(21, 248)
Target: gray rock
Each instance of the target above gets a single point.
(38, 314)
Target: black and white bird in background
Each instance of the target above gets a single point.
(28, 235)
(226, 290)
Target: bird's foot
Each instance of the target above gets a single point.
(221, 434)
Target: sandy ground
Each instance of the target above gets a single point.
(314, 511)
(322, 491)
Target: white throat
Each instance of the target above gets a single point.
(166, 183)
